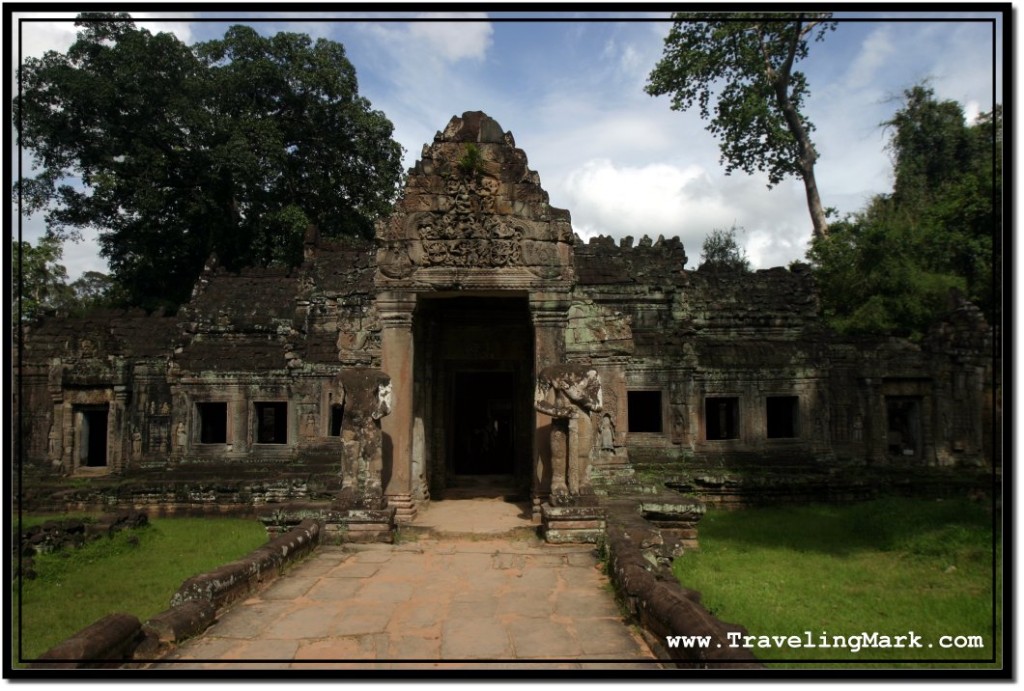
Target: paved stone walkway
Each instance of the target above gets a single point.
(434, 602)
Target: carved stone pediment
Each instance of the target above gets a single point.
(472, 205)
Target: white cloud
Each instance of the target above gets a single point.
(687, 202)
(631, 201)
(37, 36)
(876, 52)
(45, 31)
(454, 41)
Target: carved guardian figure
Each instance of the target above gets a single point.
(366, 393)
(569, 394)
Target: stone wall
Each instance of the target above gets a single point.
(723, 383)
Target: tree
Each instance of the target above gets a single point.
(234, 147)
(93, 289)
(930, 145)
(889, 269)
(745, 62)
(720, 251)
(39, 280)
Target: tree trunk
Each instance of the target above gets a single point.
(805, 150)
(818, 220)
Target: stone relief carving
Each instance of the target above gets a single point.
(568, 393)
(467, 234)
(366, 394)
(488, 215)
(607, 433)
(180, 437)
(136, 443)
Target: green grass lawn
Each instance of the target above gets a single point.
(890, 566)
(76, 587)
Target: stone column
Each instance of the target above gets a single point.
(118, 440)
(549, 314)
(397, 348)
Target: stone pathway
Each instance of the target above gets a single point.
(435, 602)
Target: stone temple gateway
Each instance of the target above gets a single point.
(477, 340)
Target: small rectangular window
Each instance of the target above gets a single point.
(722, 417)
(272, 423)
(644, 411)
(782, 414)
(212, 422)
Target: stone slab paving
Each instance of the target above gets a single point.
(434, 603)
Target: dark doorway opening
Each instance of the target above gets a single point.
(483, 423)
(337, 417)
(93, 453)
(904, 418)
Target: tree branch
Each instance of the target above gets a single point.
(791, 53)
(768, 69)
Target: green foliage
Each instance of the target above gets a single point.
(472, 163)
(39, 283)
(93, 289)
(76, 587)
(38, 279)
(744, 63)
(233, 147)
(889, 566)
(890, 269)
(721, 252)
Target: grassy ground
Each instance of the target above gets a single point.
(119, 574)
(889, 566)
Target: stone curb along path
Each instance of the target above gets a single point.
(437, 603)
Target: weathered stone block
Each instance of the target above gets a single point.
(572, 524)
(108, 642)
(184, 621)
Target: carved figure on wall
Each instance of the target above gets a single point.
(53, 447)
(568, 393)
(180, 436)
(309, 426)
(366, 395)
(607, 433)
(858, 428)
(136, 443)
(679, 427)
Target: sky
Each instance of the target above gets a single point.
(570, 88)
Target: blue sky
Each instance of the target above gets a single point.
(622, 162)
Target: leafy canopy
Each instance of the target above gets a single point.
(235, 147)
(890, 268)
(39, 283)
(38, 279)
(737, 68)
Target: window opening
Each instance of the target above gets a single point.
(272, 423)
(782, 414)
(644, 411)
(722, 417)
(213, 422)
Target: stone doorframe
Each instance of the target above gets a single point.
(548, 315)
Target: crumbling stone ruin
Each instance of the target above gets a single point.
(380, 374)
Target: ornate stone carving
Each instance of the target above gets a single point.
(568, 393)
(472, 204)
(366, 394)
